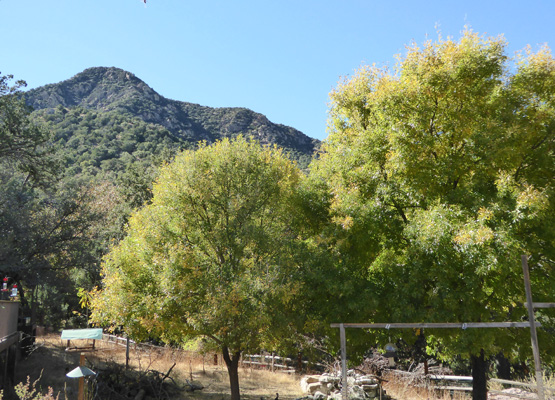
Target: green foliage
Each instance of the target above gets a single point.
(52, 225)
(206, 246)
(441, 175)
(29, 391)
(215, 254)
(21, 141)
(91, 143)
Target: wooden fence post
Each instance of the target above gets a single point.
(81, 392)
(127, 352)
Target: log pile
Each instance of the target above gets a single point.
(328, 386)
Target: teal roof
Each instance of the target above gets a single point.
(80, 372)
(72, 334)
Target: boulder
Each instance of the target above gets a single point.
(307, 380)
(356, 393)
(330, 379)
(315, 387)
(366, 380)
(369, 388)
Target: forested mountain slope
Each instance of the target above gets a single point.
(101, 102)
(88, 154)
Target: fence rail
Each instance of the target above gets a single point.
(468, 379)
(262, 360)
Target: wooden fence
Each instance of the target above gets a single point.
(442, 382)
(267, 361)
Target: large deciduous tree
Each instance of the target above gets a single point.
(214, 255)
(442, 176)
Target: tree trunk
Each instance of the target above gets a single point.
(503, 367)
(232, 363)
(479, 377)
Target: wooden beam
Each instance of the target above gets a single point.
(541, 305)
(458, 388)
(450, 378)
(439, 325)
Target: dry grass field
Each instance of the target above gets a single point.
(50, 362)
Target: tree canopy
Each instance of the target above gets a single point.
(51, 227)
(442, 176)
(21, 141)
(213, 255)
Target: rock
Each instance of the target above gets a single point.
(511, 393)
(366, 380)
(369, 388)
(328, 386)
(315, 387)
(319, 396)
(307, 380)
(330, 379)
(356, 392)
(372, 395)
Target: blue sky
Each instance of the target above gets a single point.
(280, 58)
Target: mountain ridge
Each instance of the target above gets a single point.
(107, 89)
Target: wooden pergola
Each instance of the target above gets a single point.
(532, 324)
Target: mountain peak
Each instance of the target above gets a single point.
(94, 88)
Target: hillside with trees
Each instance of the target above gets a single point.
(110, 112)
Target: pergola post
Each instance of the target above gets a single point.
(533, 332)
(345, 389)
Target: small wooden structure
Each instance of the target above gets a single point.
(93, 334)
(9, 339)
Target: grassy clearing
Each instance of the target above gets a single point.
(52, 361)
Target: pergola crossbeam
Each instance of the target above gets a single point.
(541, 305)
(437, 325)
